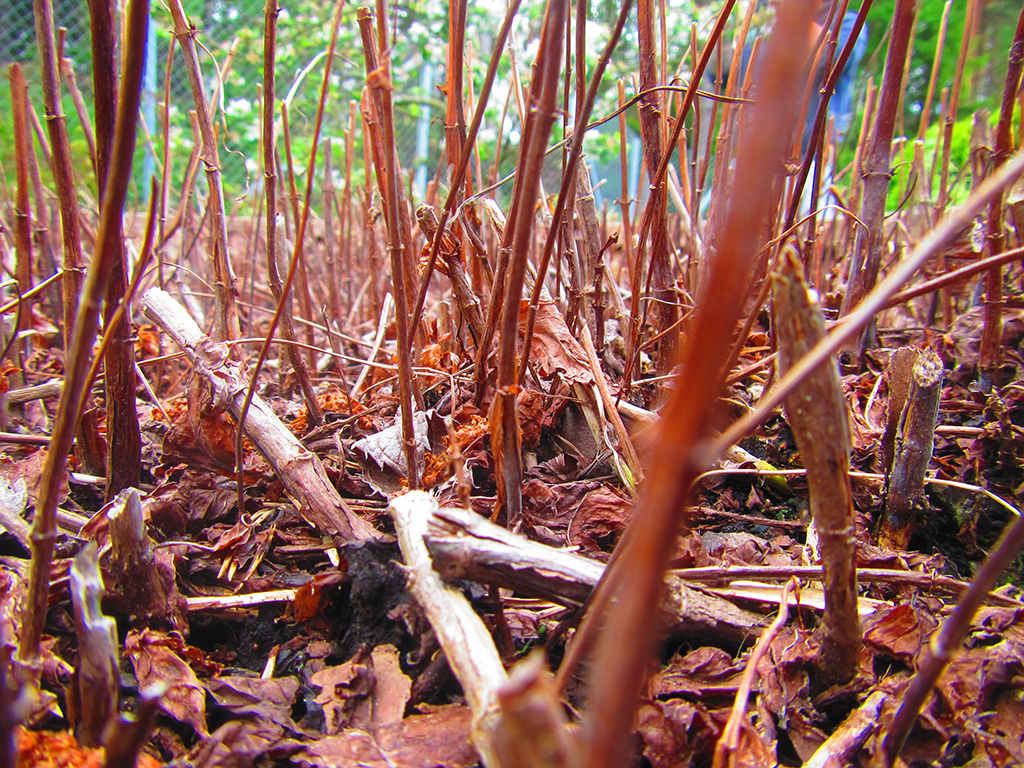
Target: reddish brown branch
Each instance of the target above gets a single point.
(505, 437)
(629, 633)
(868, 249)
(77, 361)
(817, 413)
(124, 439)
(990, 355)
(63, 172)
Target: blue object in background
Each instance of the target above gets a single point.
(840, 107)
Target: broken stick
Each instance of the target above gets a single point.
(300, 470)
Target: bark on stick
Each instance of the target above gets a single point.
(816, 412)
(299, 469)
(915, 438)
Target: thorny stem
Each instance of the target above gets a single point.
(374, 53)
(333, 297)
(455, 117)
(269, 190)
(658, 178)
(118, 311)
(658, 272)
(952, 109)
(67, 70)
(992, 262)
(165, 181)
(380, 82)
(22, 224)
(940, 40)
(624, 202)
(224, 279)
(867, 254)
(821, 116)
(299, 365)
(729, 740)
(302, 288)
(124, 438)
(864, 312)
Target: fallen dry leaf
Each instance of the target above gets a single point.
(438, 738)
(155, 656)
(554, 348)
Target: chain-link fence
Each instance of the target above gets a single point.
(231, 48)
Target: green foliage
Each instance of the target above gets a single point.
(959, 160)
(418, 32)
(986, 62)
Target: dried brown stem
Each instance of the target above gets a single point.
(658, 178)
(624, 201)
(378, 60)
(68, 72)
(629, 635)
(729, 741)
(569, 174)
(464, 545)
(77, 361)
(912, 452)
(333, 297)
(816, 411)
(117, 312)
(956, 275)
(940, 40)
(465, 640)
(300, 470)
(990, 354)
(953, 108)
(455, 115)
(302, 284)
(123, 750)
(379, 80)
(462, 291)
(898, 374)
(22, 206)
(46, 262)
(275, 231)
(63, 171)
(659, 273)
(869, 246)
(299, 235)
(346, 215)
(124, 438)
(505, 437)
(821, 118)
(223, 277)
(454, 195)
(864, 312)
(267, 131)
(949, 638)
